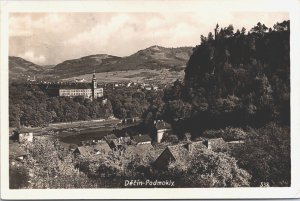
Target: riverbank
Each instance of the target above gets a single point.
(95, 123)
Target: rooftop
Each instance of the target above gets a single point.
(15, 150)
(138, 149)
(93, 149)
(141, 138)
(178, 151)
(162, 125)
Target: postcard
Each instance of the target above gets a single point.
(150, 99)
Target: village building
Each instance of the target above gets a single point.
(86, 90)
(138, 149)
(141, 139)
(182, 151)
(161, 127)
(16, 152)
(86, 151)
(170, 154)
(25, 136)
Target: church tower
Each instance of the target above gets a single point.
(94, 86)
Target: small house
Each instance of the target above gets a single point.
(139, 149)
(142, 139)
(161, 127)
(171, 154)
(86, 151)
(25, 136)
(16, 152)
(83, 151)
(102, 148)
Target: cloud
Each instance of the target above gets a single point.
(50, 38)
(33, 57)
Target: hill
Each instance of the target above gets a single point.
(19, 67)
(84, 65)
(235, 79)
(153, 58)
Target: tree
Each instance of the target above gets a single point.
(203, 39)
(266, 155)
(210, 37)
(177, 109)
(83, 113)
(14, 116)
(170, 138)
(210, 169)
(243, 31)
(228, 31)
(283, 26)
(18, 177)
(259, 28)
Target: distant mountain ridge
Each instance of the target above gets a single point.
(154, 57)
(21, 67)
(84, 65)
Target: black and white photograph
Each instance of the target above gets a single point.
(148, 99)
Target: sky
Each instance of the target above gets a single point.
(51, 38)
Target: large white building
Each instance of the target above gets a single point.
(90, 91)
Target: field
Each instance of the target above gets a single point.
(163, 76)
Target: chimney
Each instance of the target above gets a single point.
(189, 147)
(207, 144)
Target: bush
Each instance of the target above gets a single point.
(228, 134)
(266, 155)
(18, 177)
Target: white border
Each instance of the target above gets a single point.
(291, 6)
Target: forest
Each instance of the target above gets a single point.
(232, 79)
(30, 105)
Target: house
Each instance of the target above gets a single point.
(171, 154)
(110, 137)
(161, 127)
(138, 149)
(142, 139)
(83, 151)
(16, 152)
(180, 151)
(86, 151)
(25, 136)
(102, 148)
